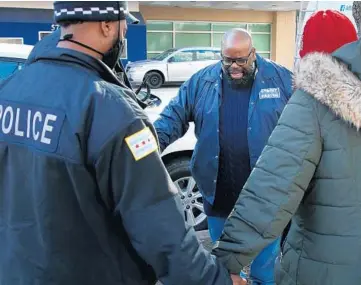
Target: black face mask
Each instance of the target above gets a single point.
(111, 57)
(245, 82)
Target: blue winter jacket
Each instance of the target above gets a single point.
(199, 100)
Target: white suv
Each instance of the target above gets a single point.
(176, 157)
(172, 66)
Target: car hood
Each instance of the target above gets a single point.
(143, 62)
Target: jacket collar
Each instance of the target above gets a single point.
(47, 49)
(264, 70)
(330, 81)
(74, 57)
(70, 56)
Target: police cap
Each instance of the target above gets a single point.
(93, 11)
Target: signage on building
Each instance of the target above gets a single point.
(344, 8)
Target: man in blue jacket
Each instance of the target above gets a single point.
(235, 104)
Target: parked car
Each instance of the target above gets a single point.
(176, 157)
(12, 58)
(172, 66)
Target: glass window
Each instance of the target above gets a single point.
(192, 26)
(259, 28)
(165, 54)
(43, 34)
(217, 40)
(7, 68)
(159, 26)
(124, 54)
(192, 40)
(161, 35)
(262, 42)
(183, 56)
(265, 55)
(225, 27)
(159, 41)
(206, 55)
(151, 55)
(19, 41)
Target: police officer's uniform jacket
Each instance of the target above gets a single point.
(84, 196)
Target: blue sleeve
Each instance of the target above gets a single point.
(287, 83)
(173, 122)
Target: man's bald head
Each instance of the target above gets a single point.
(237, 38)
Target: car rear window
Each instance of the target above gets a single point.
(7, 68)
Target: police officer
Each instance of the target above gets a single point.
(84, 196)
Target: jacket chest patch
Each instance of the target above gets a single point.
(269, 93)
(32, 126)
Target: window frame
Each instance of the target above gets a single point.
(43, 32)
(12, 38)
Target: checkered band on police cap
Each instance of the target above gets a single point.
(89, 11)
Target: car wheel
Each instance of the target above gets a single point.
(155, 79)
(189, 193)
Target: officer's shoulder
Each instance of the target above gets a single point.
(115, 105)
(119, 99)
(113, 111)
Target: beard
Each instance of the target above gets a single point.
(246, 76)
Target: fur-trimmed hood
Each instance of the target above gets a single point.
(332, 83)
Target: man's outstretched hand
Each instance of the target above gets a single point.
(238, 280)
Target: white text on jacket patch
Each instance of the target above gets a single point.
(142, 143)
(269, 93)
(30, 125)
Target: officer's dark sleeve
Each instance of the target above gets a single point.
(173, 122)
(150, 209)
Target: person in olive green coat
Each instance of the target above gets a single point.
(310, 172)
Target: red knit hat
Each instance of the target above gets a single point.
(326, 31)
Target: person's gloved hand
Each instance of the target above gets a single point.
(238, 280)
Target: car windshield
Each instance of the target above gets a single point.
(164, 54)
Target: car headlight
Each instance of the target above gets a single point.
(138, 67)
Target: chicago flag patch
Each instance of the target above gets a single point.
(142, 143)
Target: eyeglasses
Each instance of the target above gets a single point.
(239, 61)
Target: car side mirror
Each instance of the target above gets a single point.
(146, 96)
(171, 60)
(150, 99)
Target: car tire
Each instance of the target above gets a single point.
(155, 79)
(179, 171)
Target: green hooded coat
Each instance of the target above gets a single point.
(310, 172)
